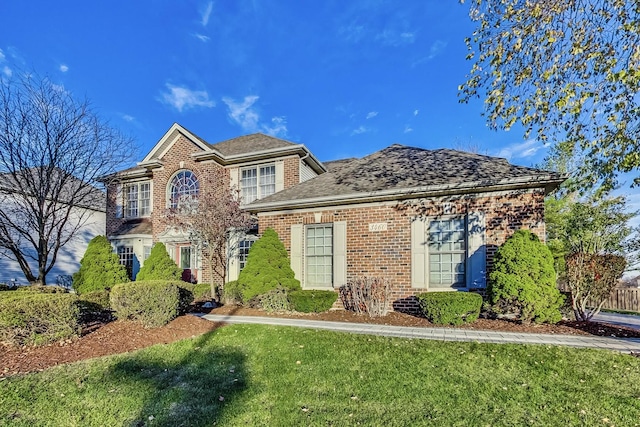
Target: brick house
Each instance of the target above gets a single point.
(425, 219)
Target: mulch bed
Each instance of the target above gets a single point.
(102, 338)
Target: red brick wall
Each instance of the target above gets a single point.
(388, 253)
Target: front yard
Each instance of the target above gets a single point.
(260, 375)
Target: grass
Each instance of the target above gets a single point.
(264, 375)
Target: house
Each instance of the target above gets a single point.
(425, 219)
(83, 205)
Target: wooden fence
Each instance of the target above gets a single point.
(627, 299)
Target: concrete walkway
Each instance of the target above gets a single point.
(625, 345)
(628, 320)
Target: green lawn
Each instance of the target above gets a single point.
(262, 375)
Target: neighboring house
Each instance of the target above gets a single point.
(425, 219)
(89, 217)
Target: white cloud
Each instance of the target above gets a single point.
(436, 48)
(244, 114)
(7, 71)
(201, 37)
(128, 118)
(2, 57)
(64, 68)
(359, 130)
(372, 114)
(415, 112)
(182, 98)
(521, 150)
(407, 129)
(394, 38)
(206, 13)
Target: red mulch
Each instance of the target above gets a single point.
(105, 338)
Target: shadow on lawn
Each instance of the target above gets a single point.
(193, 390)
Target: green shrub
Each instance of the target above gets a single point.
(159, 266)
(154, 303)
(312, 301)
(98, 300)
(523, 280)
(202, 291)
(39, 289)
(450, 308)
(38, 318)
(267, 268)
(100, 268)
(275, 301)
(232, 293)
(5, 287)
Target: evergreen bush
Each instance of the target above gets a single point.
(523, 280)
(38, 318)
(159, 266)
(154, 303)
(100, 268)
(232, 293)
(275, 300)
(312, 301)
(450, 308)
(267, 268)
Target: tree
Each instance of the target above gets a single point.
(214, 222)
(159, 266)
(268, 267)
(52, 150)
(100, 268)
(568, 71)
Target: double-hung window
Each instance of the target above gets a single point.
(243, 252)
(257, 182)
(137, 200)
(319, 255)
(447, 253)
(125, 255)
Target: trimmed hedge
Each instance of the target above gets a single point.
(202, 291)
(159, 266)
(38, 318)
(450, 308)
(154, 303)
(312, 301)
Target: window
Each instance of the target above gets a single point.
(146, 252)
(257, 182)
(447, 253)
(125, 253)
(185, 257)
(319, 255)
(243, 252)
(137, 200)
(184, 186)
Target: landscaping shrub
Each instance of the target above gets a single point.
(371, 295)
(201, 291)
(312, 301)
(38, 318)
(5, 287)
(275, 300)
(450, 308)
(159, 266)
(39, 289)
(523, 280)
(591, 279)
(267, 268)
(100, 268)
(232, 293)
(153, 303)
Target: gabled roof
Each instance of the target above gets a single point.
(250, 144)
(406, 172)
(167, 140)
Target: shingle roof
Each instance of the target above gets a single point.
(249, 144)
(399, 168)
(139, 226)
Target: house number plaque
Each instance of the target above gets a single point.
(378, 226)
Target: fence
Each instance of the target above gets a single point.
(620, 299)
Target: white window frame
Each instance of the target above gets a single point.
(191, 193)
(259, 182)
(451, 252)
(135, 205)
(309, 283)
(244, 246)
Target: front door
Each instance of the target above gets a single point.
(185, 262)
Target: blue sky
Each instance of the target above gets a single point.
(344, 78)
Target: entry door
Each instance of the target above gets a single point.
(185, 262)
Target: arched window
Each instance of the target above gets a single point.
(183, 186)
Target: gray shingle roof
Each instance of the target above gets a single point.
(401, 168)
(137, 226)
(249, 144)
